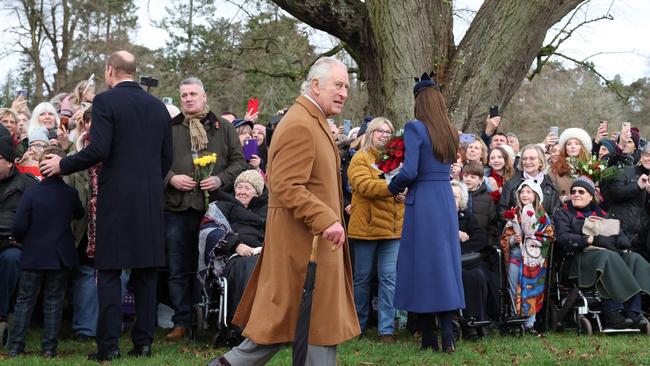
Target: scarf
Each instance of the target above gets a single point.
(91, 230)
(198, 136)
(539, 178)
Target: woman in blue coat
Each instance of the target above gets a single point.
(429, 278)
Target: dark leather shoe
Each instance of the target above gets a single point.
(100, 357)
(80, 337)
(14, 353)
(638, 320)
(219, 361)
(140, 351)
(49, 353)
(177, 334)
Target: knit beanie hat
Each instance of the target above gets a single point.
(39, 134)
(260, 128)
(252, 177)
(585, 183)
(609, 145)
(534, 186)
(636, 136)
(578, 134)
(7, 148)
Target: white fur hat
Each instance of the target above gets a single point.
(578, 134)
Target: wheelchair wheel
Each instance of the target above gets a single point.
(200, 321)
(4, 334)
(457, 330)
(584, 326)
(646, 329)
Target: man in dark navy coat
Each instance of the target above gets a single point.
(131, 138)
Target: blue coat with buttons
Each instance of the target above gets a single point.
(429, 277)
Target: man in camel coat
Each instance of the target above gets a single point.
(305, 200)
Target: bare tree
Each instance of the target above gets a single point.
(394, 41)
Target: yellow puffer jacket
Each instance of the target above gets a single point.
(375, 214)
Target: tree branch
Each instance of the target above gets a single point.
(343, 19)
(546, 52)
(590, 66)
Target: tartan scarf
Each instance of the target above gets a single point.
(198, 136)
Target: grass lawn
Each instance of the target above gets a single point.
(552, 349)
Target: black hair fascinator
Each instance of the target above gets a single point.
(425, 81)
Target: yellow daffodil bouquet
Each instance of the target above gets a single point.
(202, 170)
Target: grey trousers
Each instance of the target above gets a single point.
(249, 353)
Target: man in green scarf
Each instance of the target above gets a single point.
(196, 132)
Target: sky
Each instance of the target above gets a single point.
(618, 46)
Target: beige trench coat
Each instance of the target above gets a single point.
(305, 198)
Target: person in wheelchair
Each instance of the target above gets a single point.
(603, 262)
(232, 233)
(478, 282)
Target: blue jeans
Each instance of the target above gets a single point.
(84, 301)
(181, 239)
(9, 274)
(513, 281)
(364, 255)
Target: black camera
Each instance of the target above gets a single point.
(149, 81)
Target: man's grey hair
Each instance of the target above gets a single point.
(321, 70)
(512, 134)
(193, 80)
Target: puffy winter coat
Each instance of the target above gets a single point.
(375, 213)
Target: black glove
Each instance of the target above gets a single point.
(623, 242)
(607, 242)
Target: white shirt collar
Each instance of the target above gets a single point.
(313, 101)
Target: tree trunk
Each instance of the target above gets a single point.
(392, 42)
(495, 55)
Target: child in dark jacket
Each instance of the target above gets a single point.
(42, 225)
(480, 202)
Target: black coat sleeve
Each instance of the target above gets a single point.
(477, 237)
(566, 235)
(167, 150)
(101, 136)
(22, 218)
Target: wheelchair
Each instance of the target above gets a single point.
(506, 320)
(571, 307)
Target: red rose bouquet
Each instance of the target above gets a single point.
(390, 162)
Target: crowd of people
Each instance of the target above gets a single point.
(64, 162)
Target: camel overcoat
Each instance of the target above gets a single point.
(305, 198)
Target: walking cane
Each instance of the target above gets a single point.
(301, 337)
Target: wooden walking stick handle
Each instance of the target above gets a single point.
(314, 248)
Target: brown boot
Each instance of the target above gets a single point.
(177, 334)
(387, 339)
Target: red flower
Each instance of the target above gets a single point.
(530, 213)
(510, 214)
(542, 220)
(393, 155)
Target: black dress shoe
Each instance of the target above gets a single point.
(100, 357)
(50, 353)
(638, 320)
(140, 351)
(14, 353)
(80, 337)
(219, 361)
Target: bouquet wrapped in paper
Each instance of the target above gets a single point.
(391, 160)
(203, 167)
